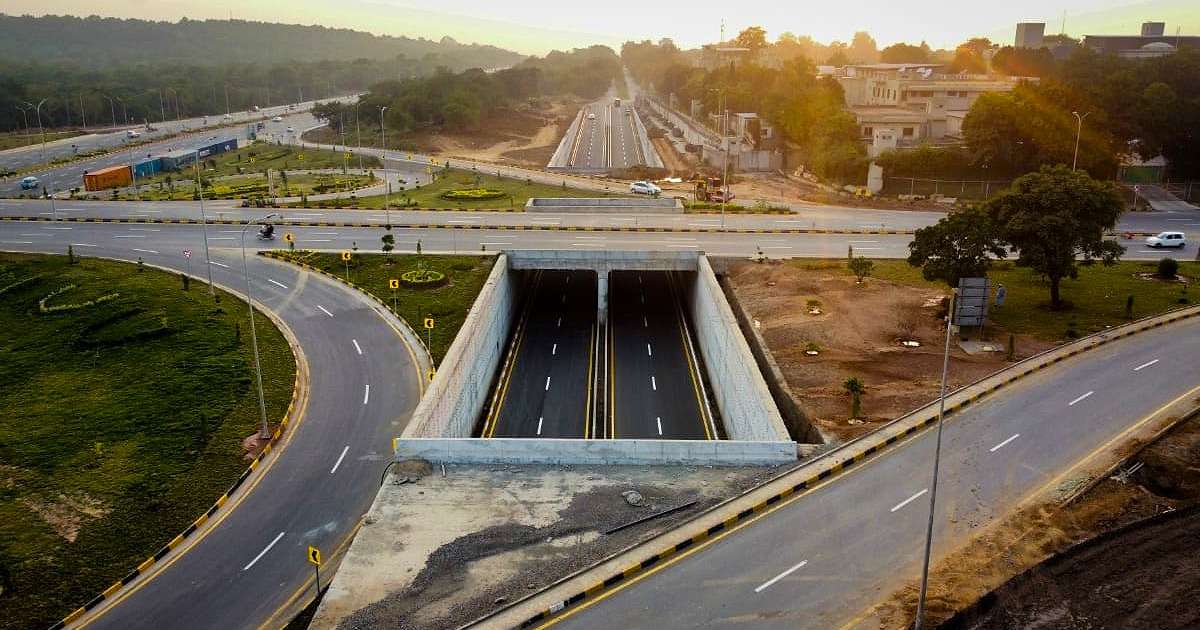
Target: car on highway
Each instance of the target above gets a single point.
(29, 183)
(132, 133)
(291, 129)
(228, 117)
(645, 188)
(1167, 239)
(591, 115)
(277, 119)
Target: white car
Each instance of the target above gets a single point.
(277, 119)
(291, 129)
(228, 117)
(132, 134)
(1166, 239)
(644, 188)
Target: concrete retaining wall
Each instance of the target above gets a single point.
(747, 408)
(455, 399)
(593, 205)
(562, 155)
(598, 452)
(648, 151)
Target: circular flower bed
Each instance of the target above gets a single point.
(473, 194)
(422, 279)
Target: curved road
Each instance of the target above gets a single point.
(250, 568)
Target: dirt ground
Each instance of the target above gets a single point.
(438, 552)
(526, 136)
(1121, 561)
(775, 188)
(675, 163)
(857, 334)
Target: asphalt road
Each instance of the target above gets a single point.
(251, 567)
(548, 392)
(654, 391)
(818, 561)
(608, 139)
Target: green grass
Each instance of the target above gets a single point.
(254, 186)
(260, 156)
(429, 195)
(14, 139)
(705, 207)
(447, 304)
(125, 418)
(1097, 297)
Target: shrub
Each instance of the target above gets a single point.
(472, 194)
(1167, 268)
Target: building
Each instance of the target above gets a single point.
(916, 101)
(1030, 34)
(1152, 42)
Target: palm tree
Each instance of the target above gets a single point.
(856, 388)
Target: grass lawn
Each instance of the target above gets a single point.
(447, 304)
(260, 156)
(120, 421)
(14, 139)
(254, 186)
(430, 195)
(1098, 296)
(705, 207)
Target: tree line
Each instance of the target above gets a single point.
(461, 100)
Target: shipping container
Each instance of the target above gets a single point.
(176, 160)
(147, 168)
(228, 144)
(111, 177)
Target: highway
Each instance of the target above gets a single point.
(654, 389)
(607, 139)
(819, 560)
(547, 391)
(250, 567)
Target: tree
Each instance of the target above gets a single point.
(389, 243)
(905, 53)
(1054, 216)
(861, 267)
(754, 38)
(957, 246)
(862, 48)
(856, 388)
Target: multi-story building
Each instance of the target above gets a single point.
(916, 101)
(1030, 34)
(1152, 42)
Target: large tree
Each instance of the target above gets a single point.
(958, 246)
(1055, 216)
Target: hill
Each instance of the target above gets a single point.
(95, 42)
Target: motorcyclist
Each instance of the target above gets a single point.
(267, 231)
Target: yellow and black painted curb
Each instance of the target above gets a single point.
(178, 540)
(287, 258)
(921, 419)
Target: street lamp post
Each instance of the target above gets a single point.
(937, 456)
(204, 226)
(162, 111)
(264, 431)
(26, 117)
(358, 133)
(387, 189)
(38, 110)
(124, 111)
(112, 109)
(1078, 132)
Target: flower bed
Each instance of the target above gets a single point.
(473, 194)
(422, 278)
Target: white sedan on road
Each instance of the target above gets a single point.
(644, 188)
(1167, 239)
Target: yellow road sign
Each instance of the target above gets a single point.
(432, 373)
(349, 155)
(288, 237)
(300, 157)
(346, 256)
(393, 284)
(314, 555)
(429, 323)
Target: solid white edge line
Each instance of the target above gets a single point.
(356, 346)
(1145, 365)
(339, 460)
(213, 262)
(366, 394)
(324, 310)
(909, 500)
(1072, 403)
(263, 552)
(1004, 443)
(766, 585)
(145, 251)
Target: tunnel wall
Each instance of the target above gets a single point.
(455, 399)
(748, 410)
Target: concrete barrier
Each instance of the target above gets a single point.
(597, 452)
(562, 155)
(592, 205)
(649, 153)
(455, 399)
(747, 409)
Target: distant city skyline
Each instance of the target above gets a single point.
(533, 28)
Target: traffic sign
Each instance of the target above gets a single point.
(314, 555)
(288, 237)
(187, 253)
(346, 256)
(432, 373)
(393, 284)
(429, 323)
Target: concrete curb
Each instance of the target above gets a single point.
(731, 514)
(298, 401)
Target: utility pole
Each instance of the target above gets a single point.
(204, 227)
(265, 430)
(387, 202)
(161, 110)
(38, 110)
(1078, 132)
(112, 109)
(358, 133)
(82, 110)
(226, 99)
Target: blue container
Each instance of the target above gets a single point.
(147, 168)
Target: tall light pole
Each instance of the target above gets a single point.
(226, 99)
(387, 189)
(1078, 132)
(26, 117)
(162, 111)
(112, 109)
(38, 110)
(358, 133)
(82, 110)
(264, 431)
(124, 111)
(204, 226)
(937, 456)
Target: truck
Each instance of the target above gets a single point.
(111, 177)
(617, 102)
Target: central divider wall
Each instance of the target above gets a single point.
(747, 408)
(455, 399)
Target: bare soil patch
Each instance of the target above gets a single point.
(524, 136)
(1123, 555)
(858, 334)
(775, 188)
(675, 163)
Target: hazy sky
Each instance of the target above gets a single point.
(536, 27)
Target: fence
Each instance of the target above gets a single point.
(959, 188)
